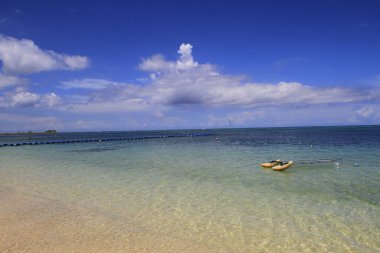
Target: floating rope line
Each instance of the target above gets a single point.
(101, 140)
(319, 161)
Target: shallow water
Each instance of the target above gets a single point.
(211, 190)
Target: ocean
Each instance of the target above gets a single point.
(205, 193)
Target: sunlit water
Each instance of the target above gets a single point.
(211, 190)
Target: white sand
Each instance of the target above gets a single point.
(32, 224)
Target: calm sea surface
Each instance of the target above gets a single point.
(211, 190)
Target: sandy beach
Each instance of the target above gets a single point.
(32, 224)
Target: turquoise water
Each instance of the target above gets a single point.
(211, 190)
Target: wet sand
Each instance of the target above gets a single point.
(32, 224)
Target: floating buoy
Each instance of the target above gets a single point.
(100, 140)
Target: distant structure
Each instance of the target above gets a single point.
(50, 131)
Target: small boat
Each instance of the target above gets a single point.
(270, 164)
(282, 166)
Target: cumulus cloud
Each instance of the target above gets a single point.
(50, 100)
(185, 82)
(7, 80)
(21, 57)
(186, 61)
(88, 83)
(24, 98)
(25, 57)
(188, 82)
(182, 93)
(158, 63)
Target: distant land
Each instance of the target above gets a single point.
(50, 131)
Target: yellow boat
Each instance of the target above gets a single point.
(282, 166)
(270, 164)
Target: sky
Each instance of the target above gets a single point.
(141, 65)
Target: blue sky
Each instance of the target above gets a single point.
(120, 65)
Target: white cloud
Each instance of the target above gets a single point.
(7, 80)
(174, 92)
(25, 57)
(23, 98)
(186, 61)
(185, 82)
(88, 83)
(127, 105)
(234, 119)
(369, 113)
(75, 62)
(50, 100)
(158, 63)
(365, 112)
